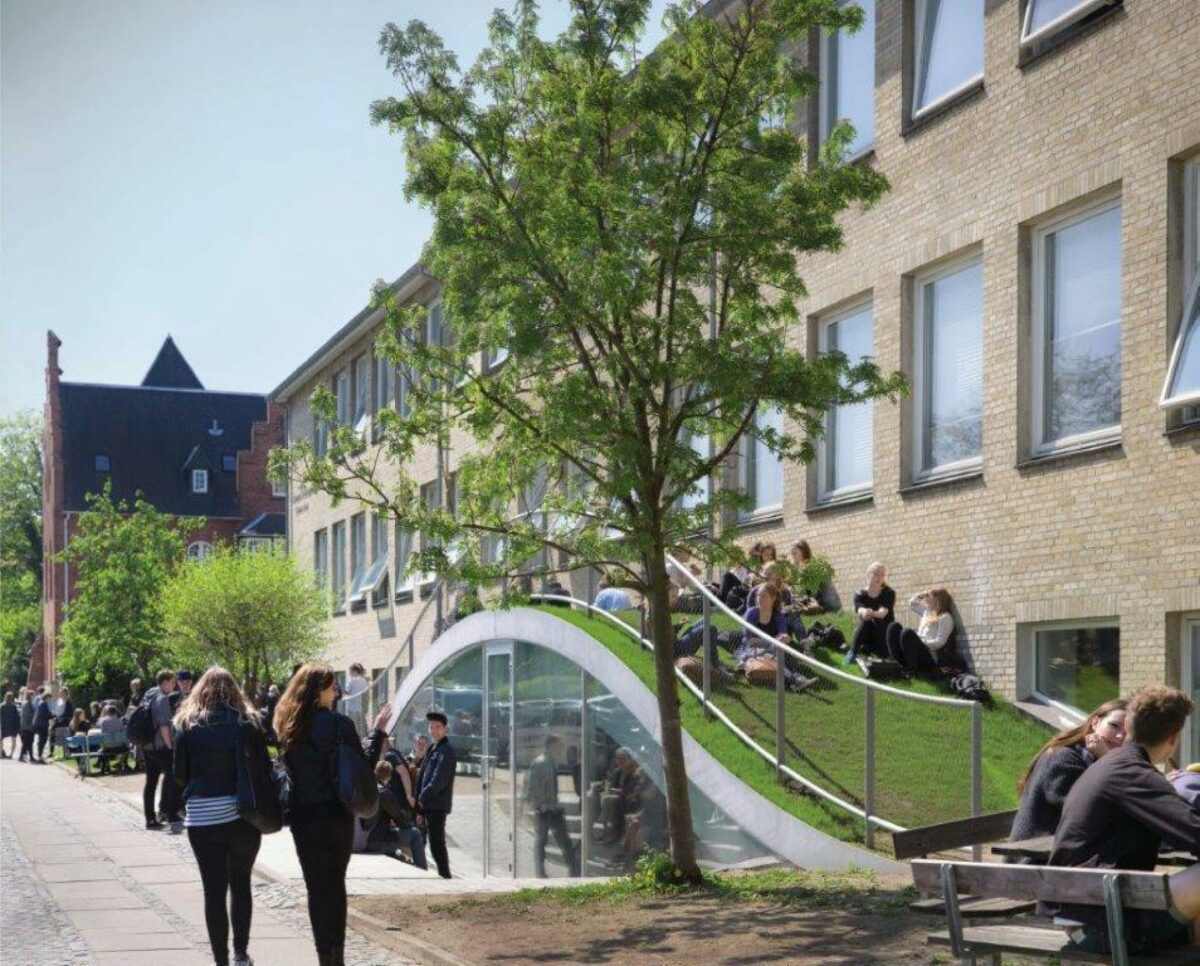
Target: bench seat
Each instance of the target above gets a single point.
(975, 907)
(1044, 942)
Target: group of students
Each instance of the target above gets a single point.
(33, 717)
(878, 634)
(213, 723)
(1098, 789)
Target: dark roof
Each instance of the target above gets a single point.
(170, 370)
(152, 438)
(265, 525)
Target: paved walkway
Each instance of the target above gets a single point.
(84, 883)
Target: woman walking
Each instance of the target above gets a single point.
(209, 726)
(10, 725)
(309, 732)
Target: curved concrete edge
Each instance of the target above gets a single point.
(778, 830)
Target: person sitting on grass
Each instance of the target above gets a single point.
(875, 605)
(773, 576)
(826, 597)
(612, 598)
(919, 650)
(1056, 767)
(768, 617)
(1117, 815)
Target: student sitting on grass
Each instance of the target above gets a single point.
(875, 606)
(1116, 817)
(1054, 770)
(768, 617)
(919, 650)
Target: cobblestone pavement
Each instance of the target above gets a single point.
(84, 883)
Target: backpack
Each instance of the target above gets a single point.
(139, 728)
(970, 687)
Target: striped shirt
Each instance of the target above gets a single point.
(211, 811)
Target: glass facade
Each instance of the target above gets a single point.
(556, 776)
(1079, 666)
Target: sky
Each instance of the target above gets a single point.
(204, 169)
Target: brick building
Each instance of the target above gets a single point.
(188, 451)
(1034, 270)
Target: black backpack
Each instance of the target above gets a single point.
(139, 728)
(970, 687)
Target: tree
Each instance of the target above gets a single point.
(253, 613)
(630, 231)
(20, 541)
(123, 556)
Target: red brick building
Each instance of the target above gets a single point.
(188, 451)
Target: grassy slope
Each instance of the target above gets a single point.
(922, 750)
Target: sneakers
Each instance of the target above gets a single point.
(243, 960)
(849, 659)
(154, 826)
(176, 828)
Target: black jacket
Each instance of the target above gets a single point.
(1051, 780)
(10, 719)
(64, 718)
(1115, 817)
(311, 765)
(206, 753)
(42, 715)
(393, 812)
(435, 784)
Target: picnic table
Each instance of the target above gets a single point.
(1038, 850)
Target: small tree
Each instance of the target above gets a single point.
(124, 555)
(20, 541)
(253, 613)
(630, 232)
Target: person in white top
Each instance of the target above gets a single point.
(920, 650)
(352, 700)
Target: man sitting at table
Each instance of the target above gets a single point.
(1116, 816)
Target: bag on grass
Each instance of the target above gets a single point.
(970, 687)
(693, 667)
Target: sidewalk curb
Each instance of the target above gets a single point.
(386, 935)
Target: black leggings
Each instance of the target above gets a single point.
(870, 638)
(906, 648)
(27, 745)
(323, 847)
(225, 854)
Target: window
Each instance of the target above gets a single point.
(1077, 328)
(760, 472)
(320, 437)
(279, 489)
(844, 459)
(102, 464)
(949, 49)
(1182, 386)
(404, 541)
(341, 391)
(257, 544)
(199, 481)
(1046, 17)
(1077, 666)
(429, 497)
(383, 394)
(362, 393)
(338, 566)
(377, 580)
(229, 463)
(1190, 682)
(403, 400)
(494, 358)
(698, 443)
(358, 555)
(948, 368)
(321, 559)
(199, 550)
(848, 81)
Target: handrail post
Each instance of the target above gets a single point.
(976, 771)
(780, 747)
(869, 764)
(707, 675)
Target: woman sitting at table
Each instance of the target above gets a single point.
(1057, 766)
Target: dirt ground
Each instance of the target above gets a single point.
(844, 926)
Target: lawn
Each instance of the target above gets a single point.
(923, 765)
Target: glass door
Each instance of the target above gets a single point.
(496, 760)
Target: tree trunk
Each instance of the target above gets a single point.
(679, 807)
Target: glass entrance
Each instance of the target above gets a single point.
(497, 772)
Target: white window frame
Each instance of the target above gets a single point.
(828, 90)
(279, 489)
(922, 472)
(748, 475)
(824, 450)
(1088, 624)
(1042, 446)
(1188, 402)
(921, 24)
(1189, 750)
(257, 544)
(199, 481)
(199, 550)
(1082, 9)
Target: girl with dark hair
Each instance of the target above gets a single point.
(1056, 767)
(309, 732)
(209, 725)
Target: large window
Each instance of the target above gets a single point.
(383, 393)
(1046, 17)
(1190, 682)
(948, 368)
(844, 461)
(338, 566)
(848, 80)
(362, 393)
(1078, 666)
(1182, 386)
(321, 559)
(1077, 328)
(199, 550)
(949, 46)
(341, 392)
(358, 555)
(404, 542)
(199, 481)
(760, 471)
(429, 497)
(699, 444)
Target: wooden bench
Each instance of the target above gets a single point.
(1114, 890)
(949, 836)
